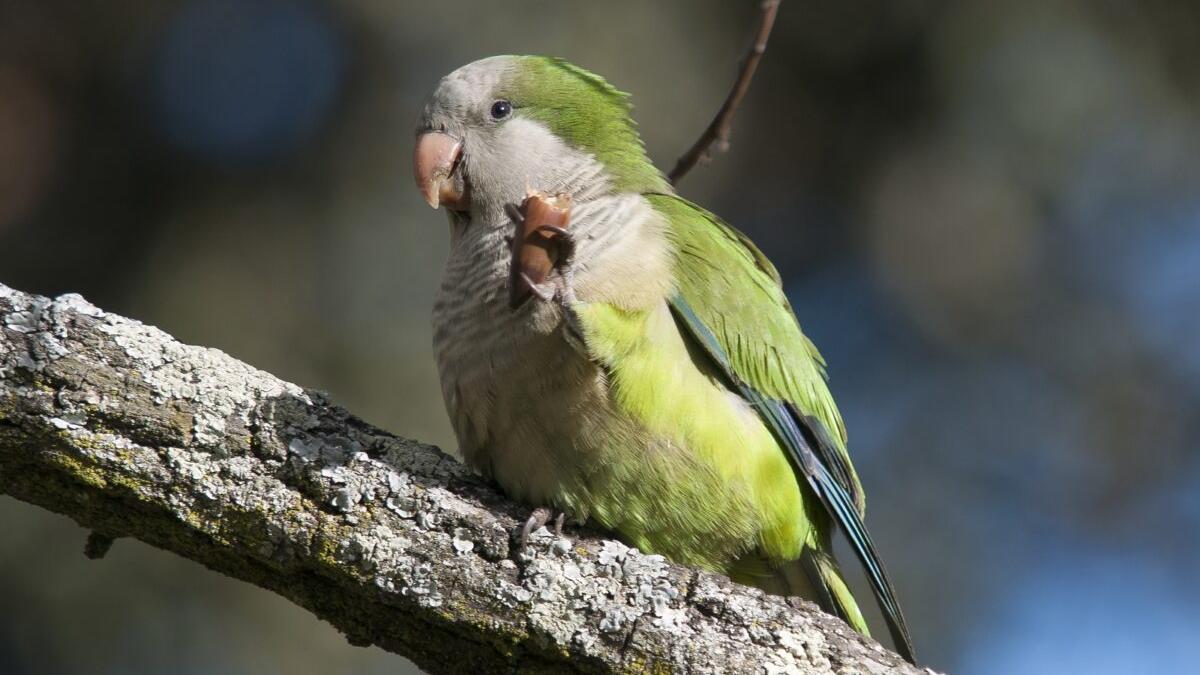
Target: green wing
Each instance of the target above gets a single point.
(731, 303)
(736, 292)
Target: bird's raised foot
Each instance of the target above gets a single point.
(564, 263)
(543, 250)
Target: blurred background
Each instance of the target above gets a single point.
(986, 215)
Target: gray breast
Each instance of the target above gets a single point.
(527, 403)
(496, 364)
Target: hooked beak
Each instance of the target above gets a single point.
(435, 166)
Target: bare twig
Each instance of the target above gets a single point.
(718, 130)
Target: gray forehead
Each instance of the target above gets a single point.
(469, 86)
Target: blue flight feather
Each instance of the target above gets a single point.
(789, 428)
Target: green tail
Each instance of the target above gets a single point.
(835, 596)
(815, 576)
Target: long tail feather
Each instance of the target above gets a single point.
(796, 435)
(837, 599)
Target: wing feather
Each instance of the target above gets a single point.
(753, 339)
(736, 292)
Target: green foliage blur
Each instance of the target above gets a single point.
(985, 213)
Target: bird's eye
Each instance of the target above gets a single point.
(501, 109)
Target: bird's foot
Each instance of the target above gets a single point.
(543, 250)
(540, 516)
(543, 262)
(564, 284)
(561, 287)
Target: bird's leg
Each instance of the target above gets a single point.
(514, 213)
(543, 259)
(540, 247)
(540, 516)
(564, 260)
(564, 264)
(522, 263)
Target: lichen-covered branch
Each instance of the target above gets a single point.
(133, 434)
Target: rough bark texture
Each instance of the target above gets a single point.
(133, 434)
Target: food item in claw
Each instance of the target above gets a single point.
(538, 243)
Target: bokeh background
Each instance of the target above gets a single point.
(986, 214)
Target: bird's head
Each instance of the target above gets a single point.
(498, 127)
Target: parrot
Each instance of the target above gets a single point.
(644, 371)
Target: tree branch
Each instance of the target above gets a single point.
(133, 434)
(718, 130)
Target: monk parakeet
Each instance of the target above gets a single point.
(629, 358)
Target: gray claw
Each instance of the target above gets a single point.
(537, 290)
(514, 212)
(538, 518)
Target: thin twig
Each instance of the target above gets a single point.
(718, 130)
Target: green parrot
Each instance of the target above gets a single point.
(655, 381)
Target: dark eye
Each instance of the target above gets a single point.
(501, 109)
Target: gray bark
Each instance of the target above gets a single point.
(132, 434)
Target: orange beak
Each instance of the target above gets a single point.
(435, 164)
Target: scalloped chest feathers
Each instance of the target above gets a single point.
(520, 395)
